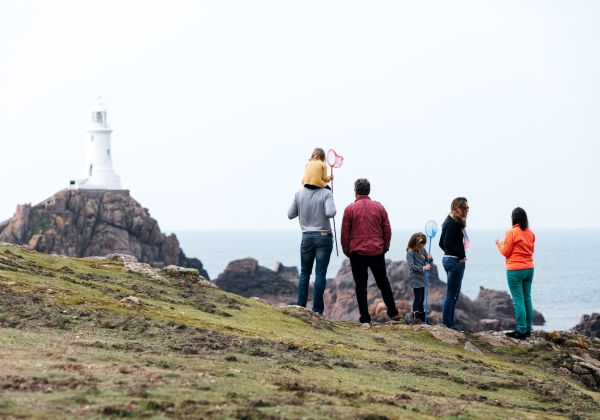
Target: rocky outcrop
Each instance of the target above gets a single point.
(589, 325)
(83, 223)
(247, 278)
(579, 356)
(491, 310)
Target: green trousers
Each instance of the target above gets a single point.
(519, 283)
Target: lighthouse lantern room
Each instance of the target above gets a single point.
(98, 173)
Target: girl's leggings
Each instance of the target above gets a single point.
(419, 299)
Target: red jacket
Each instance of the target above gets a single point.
(365, 228)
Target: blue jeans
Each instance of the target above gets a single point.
(454, 271)
(315, 246)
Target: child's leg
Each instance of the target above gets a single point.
(418, 301)
(421, 304)
(418, 309)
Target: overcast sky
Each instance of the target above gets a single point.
(217, 105)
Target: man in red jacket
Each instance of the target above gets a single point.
(366, 236)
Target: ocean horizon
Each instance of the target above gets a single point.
(566, 283)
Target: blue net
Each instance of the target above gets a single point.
(431, 228)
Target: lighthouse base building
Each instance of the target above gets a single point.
(98, 172)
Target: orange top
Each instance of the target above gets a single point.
(518, 247)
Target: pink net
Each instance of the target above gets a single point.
(333, 159)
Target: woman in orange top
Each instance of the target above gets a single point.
(517, 247)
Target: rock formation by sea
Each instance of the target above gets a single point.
(491, 310)
(247, 278)
(589, 325)
(82, 223)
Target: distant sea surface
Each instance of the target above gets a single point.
(567, 263)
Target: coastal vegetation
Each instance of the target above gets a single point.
(97, 337)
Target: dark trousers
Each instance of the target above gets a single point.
(314, 187)
(360, 265)
(419, 299)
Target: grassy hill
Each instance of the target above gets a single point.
(70, 346)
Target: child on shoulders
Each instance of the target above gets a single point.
(315, 174)
(418, 263)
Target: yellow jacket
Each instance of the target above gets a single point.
(316, 173)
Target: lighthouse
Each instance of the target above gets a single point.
(98, 172)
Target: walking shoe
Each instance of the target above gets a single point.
(365, 324)
(517, 335)
(416, 318)
(397, 318)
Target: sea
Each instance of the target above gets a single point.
(566, 284)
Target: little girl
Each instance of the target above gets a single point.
(315, 174)
(418, 264)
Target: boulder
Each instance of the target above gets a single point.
(589, 325)
(247, 278)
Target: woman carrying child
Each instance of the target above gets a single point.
(315, 174)
(418, 263)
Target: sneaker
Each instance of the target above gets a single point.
(517, 335)
(365, 324)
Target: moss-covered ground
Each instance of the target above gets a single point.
(70, 348)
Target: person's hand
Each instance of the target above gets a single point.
(430, 257)
(331, 178)
(497, 241)
(427, 267)
(463, 260)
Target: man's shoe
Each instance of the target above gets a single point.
(397, 318)
(517, 335)
(365, 325)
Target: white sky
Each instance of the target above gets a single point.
(217, 105)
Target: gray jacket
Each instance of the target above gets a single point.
(416, 262)
(313, 209)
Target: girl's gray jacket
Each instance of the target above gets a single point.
(416, 261)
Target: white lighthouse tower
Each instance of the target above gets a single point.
(98, 173)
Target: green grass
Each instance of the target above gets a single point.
(195, 351)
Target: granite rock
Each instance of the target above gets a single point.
(84, 223)
(247, 278)
(589, 325)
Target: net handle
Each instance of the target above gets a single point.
(427, 262)
(337, 162)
